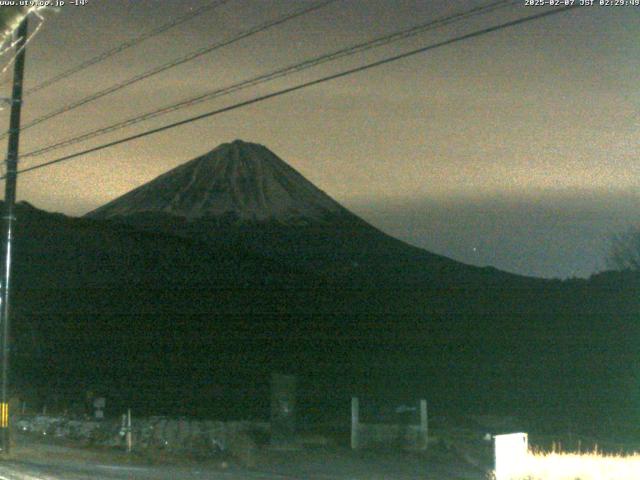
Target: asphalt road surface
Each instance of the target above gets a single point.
(20, 470)
(40, 461)
(27, 470)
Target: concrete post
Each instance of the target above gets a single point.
(283, 410)
(9, 202)
(424, 426)
(129, 432)
(355, 414)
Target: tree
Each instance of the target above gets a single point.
(625, 250)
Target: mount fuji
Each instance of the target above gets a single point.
(241, 195)
(239, 180)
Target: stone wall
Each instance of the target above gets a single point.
(202, 437)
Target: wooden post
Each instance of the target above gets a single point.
(424, 425)
(355, 414)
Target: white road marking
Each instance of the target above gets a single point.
(122, 467)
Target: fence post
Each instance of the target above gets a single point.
(424, 425)
(355, 414)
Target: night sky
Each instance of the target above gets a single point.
(517, 149)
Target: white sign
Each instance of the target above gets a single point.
(510, 455)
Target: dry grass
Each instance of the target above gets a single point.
(579, 466)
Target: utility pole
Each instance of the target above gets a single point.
(9, 203)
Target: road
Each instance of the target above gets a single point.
(54, 462)
(26, 470)
(21, 470)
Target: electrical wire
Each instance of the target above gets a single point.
(24, 45)
(128, 44)
(301, 86)
(282, 72)
(198, 53)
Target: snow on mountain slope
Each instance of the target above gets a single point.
(239, 178)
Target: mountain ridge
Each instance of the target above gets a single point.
(243, 194)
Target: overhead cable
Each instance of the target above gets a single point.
(198, 53)
(128, 44)
(270, 76)
(301, 86)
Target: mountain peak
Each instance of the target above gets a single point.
(238, 179)
(241, 143)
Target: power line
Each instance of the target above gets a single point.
(284, 91)
(24, 44)
(282, 72)
(128, 44)
(198, 53)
